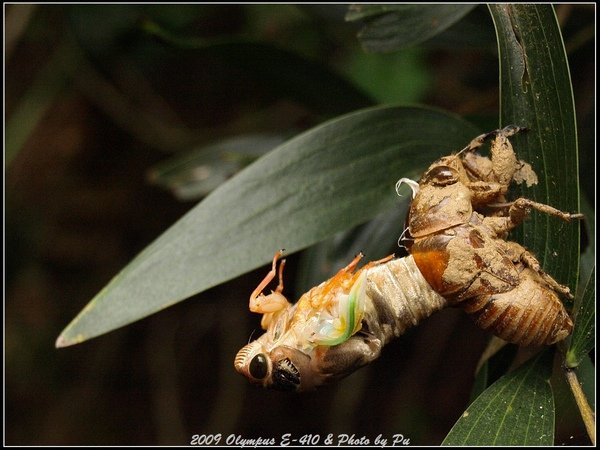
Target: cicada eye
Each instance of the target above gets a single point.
(259, 366)
(441, 176)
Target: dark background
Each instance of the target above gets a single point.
(92, 105)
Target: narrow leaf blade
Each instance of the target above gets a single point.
(518, 409)
(392, 27)
(327, 179)
(584, 332)
(535, 89)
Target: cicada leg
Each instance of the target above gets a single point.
(350, 267)
(273, 302)
(379, 261)
(529, 260)
(338, 278)
(519, 209)
(506, 132)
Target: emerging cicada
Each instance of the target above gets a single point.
(335, 327)
(459, 256)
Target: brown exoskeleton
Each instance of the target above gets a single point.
(457, 227)
(459, 256)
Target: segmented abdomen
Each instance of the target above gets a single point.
(398, 298)
(529, 314)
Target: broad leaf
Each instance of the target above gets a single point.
(584, 332)
(588, 256)
(494, 362)
(518, 409)
(285, 72)
(375, 239)
(535, 89)
(328, 179)
(391, 27)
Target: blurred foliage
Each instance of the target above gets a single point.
(391, 27)
(93, 103)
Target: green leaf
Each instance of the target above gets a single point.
(392, 27)
(518, 409)
(535, 89)
(586, 374)
(192, 175)
(287, 73)
(493, 363)
(375, 239)
(584, 332)
(588, 256)
(572, 388)
(327, 179)
(35, 103)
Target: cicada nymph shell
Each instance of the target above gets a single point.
(457, 226)
(529, 314)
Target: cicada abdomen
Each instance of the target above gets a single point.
(529, 314)
(398, 298)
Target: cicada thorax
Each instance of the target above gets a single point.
(465, 261)
(436, 208)
(455, 252)
(434, 214)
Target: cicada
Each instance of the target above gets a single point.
(459, 256)
(336, 327)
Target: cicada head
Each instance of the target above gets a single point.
(283, 368)
(445, 171)
(289, 369)
(271, 361)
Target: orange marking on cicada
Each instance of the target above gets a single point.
(346, 276)
(340, 278)
(432, 265)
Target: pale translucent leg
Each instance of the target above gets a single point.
(273, 302)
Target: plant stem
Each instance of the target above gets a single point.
(587, 414)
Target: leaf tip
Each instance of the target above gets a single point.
(62, 341)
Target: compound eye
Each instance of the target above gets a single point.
(441, 176)
(259, 367)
